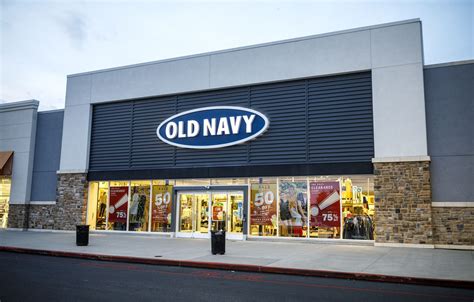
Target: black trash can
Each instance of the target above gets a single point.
(82, 235)
(218, 242)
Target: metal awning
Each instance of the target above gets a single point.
(6, 162)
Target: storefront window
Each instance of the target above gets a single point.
(162, 182)
(293, 207)
(118, 206)
(337, 207)
(263, 207)
(92, 204)
(161, 205)
(139, 206)
(358, 207)
(5, 185)
(101, 205)
(193, 182)
(228, 181)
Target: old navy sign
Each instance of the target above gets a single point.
(212, 127)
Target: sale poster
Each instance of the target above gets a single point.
(263, 206)
(325, 204)
(217, 213)
(161, 203)
(118, 204)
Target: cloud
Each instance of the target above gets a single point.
(75, 26)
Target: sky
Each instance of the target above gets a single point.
(43, 41)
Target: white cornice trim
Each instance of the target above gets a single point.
(40, 202)
(455, 63)
(453, 204)
(400, 159)
(23, 105)
(71, 171)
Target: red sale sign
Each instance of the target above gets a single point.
(217, 213)
(325, 208)
(118, 204)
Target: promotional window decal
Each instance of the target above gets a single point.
(263, 208)
(293, 208)
(217, 212)
(118, 204)
(161, 204)
(212, 127)
(325, 206)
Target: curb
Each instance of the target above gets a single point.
(249, 268)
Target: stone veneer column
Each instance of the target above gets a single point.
(42, 216)
(453, 225)
(403, 202)
(71, 201)
(18, 216)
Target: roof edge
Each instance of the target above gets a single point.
(345, 31)
(453, 63)
(21, 105)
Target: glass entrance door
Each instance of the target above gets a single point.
(193, 215)
(200, 212)
(227, 213)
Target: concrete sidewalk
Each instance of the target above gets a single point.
(353, 259)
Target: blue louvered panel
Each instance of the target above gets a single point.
(110, 136)
(319, 120)
(285, 106)
(340, 119)
(147, 151)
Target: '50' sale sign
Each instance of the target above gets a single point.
(263, 206)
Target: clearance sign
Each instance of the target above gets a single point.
(212, 127)
(325, 204)
(118, 204)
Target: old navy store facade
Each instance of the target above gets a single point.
(270, 160)
(339, 137)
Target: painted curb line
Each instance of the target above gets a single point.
(249, 268)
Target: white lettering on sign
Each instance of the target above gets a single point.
(193, 128)
(235, 123)
(209, 127)
(248, 123)
(171, 130)
(181, 133)
(223, 126)
(212, 127)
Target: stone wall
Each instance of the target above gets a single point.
(18, 216)
(403, 202)
(453, 225)
(70, 208)
(71, 201)
(42, 216)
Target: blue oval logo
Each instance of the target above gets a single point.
(212, 127)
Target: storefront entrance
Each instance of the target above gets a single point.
(5, 185)
(200, 212)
